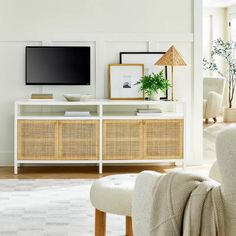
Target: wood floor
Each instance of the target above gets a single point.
(73, 172)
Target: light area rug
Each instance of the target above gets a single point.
(50, 208)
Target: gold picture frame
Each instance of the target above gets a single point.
(122, 79)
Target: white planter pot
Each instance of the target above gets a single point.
(155, 97)
(230, 115)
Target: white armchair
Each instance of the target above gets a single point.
(213, 89)
(226, 159)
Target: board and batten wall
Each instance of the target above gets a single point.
(214, 27)
(231, 13)
(108, 26)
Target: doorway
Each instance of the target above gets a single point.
(219, 22)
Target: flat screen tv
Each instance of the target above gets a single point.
(57, 65)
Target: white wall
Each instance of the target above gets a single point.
(53, 18)
(231, 12)
(108, 26)
(214, 27)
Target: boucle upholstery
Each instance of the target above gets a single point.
(113, 194)
(226, 159)
(214, 173)
(141, 208)
(213, 89)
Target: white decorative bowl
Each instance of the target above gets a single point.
(77, 97)
(85, 97)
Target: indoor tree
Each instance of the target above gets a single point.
(225, 50)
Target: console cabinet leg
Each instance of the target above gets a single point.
(15, 168)
(100, 168)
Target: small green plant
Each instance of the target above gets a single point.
(151, 84)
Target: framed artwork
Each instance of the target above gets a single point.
(148, 59)
(122, 80)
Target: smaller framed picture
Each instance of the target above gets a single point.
(122, 80)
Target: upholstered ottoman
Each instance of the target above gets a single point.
(112, 194)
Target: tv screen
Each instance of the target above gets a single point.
(57, 65)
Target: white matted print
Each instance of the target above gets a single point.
(122, 80)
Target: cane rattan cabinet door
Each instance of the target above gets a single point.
(79, 140)
(37, 139)
(122, 140)
(163, 139)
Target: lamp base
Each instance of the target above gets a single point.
(170, 100)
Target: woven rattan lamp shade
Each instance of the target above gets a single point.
(171, 58)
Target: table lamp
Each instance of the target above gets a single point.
(171, 58)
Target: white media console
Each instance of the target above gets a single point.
(112, 134)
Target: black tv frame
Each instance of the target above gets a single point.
(26, 83)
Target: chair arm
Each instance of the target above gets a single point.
(214, 173)
(214, 102)
(142, 201)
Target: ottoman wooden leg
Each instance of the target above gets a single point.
(100, 223)
(129, 226)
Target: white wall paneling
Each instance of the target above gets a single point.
(47, 20)
(12, 87)
(104, 51)
(231, 35)
(112, 56)
(100, 69)
(112, 28)
(197, 86)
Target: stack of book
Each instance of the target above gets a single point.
(149, 112)
(77, 113)
(42, 96)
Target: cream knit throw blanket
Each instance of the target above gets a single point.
(186, 204)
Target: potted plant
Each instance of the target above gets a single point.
(225, 50)
(152, 84)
